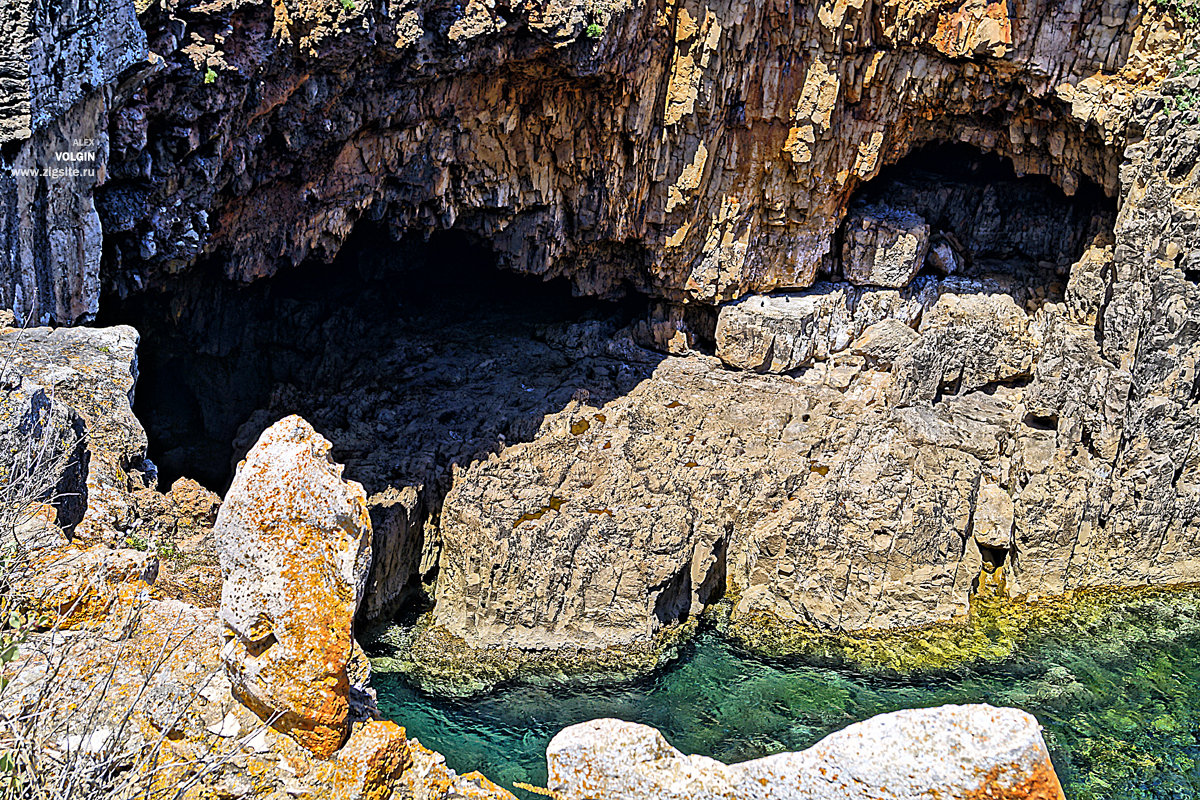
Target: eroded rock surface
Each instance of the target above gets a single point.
(953, 752)
(786, 331)
(884, 246)
(295, 546)
(92, 371)
(698, 152)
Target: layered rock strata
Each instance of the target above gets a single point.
(952, 752)
(691, 151)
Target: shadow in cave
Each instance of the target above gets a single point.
(408, 356)
(986, 221)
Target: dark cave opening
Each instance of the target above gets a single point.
(407, 355)
(410, 357)
(986, 221)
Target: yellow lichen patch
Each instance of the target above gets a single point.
(553, 504)
(994, 627)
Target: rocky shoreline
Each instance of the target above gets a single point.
(906, 363)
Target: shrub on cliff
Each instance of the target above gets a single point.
(1186, 11)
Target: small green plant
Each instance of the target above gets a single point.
(593, 31)
(347, 5)
(1186, 11)
(137, 542)
(1187, 99)
(210, 75)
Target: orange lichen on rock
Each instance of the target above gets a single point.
(294, 541)
(370, 762)
(975, 28)
(1035, 782)
(73, 588)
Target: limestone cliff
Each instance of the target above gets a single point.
(1027, 411)
(691, 150)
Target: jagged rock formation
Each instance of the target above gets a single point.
(92, 371)
(695, 151)
(1048, 432)
(295, 546)
(884, 247)
(952, 752)
(786, 331)
(111, 671)
(59, 67)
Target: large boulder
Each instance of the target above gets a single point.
(91, 371)
(295, 547)
(884, 246)
(949, 752)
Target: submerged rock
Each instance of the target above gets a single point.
(295, 546)
(950, 752)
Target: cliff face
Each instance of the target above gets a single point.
(58, 73)
(691, 150)
(946, 405)
(920, 435)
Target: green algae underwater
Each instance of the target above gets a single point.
(1114, 682)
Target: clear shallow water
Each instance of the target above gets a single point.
(1119, 698)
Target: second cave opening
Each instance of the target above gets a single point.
(970, 214)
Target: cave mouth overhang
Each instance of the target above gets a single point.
(410, 356)
(971, 213)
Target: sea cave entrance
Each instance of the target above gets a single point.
(409, 356)
(973, 216)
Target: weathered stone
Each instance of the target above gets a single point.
(967, 342)
(295, 546)
(371, 762)
(943, 258)
(179, 525)
(783, 332)
(47, 65)
(883, 342)
(396, 545)
(43, 460)
(430, 779)
(883, 247)
(58, 64)
(993, 518)
(98, 588)
(1088, 285)
(952, 752)
(93, 371)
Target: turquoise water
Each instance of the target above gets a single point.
(1119, 698)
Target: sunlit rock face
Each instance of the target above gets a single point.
(295, 546)
(698, 152)
(955, 752)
